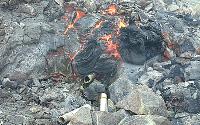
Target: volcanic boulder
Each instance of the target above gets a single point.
(143, 101)
(138, 44)
(93, 59)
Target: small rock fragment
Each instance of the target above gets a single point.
(35, 109)
(50, 95)
(198, 51)
(150, 74)
(43, 122)
(10, 84)
(173, 7)
(17, 97)
(26, 8)
(72, 102)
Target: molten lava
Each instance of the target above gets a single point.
(79, 15)
(109, 46)
(98, 24)
(122, 24)
(112, 49)
(73, 55)
(112, 9)
(70, 26)
(106, 37)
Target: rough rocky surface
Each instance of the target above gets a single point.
(143, 101)
(78, 118)
(192, 71)
(93, 91)
(144, 120)
(106, 118)
(120, 88)
(185, 118)
(159, 72)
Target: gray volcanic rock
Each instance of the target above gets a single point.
(131, 72)
(82, 116)
(43, 122)
(93, 91)
(37, 61)
(144, 120)
(150, 74)
(72, 102)
(26, 43)
(121, 88)
(192, 71)
(182, 97)
(106, 118)
(143, 101)
(185, 118)
(17, 119)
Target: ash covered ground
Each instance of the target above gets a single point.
(145, 55)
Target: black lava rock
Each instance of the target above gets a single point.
(92, 59)
(93, 92)
(138, 44)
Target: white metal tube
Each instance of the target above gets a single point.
(103, 102)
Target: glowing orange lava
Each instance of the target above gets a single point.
(112, 49)
(98, 24)
(70, 26)
(79, 15)
(112, 9)
(122, 24)
(106, 37)
(72, 55)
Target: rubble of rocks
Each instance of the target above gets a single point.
(157, 83)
